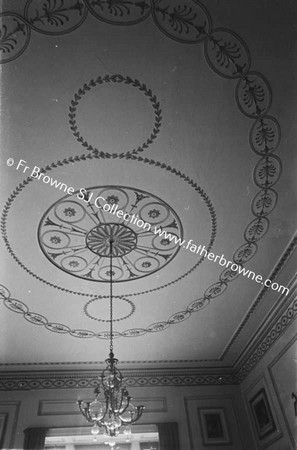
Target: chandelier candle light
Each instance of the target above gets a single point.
(115, 408)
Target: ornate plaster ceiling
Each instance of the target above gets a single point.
(164, 111)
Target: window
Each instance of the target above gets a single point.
(143, 437)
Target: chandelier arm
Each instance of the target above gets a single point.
(87, 414)
(122, 399)
(139, 411)
(85, 411)
(111, 433)
(99, 423)
(107, 401)
(79, 402)
(97, 391)
(128, 403)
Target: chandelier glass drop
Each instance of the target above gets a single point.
(113, 408)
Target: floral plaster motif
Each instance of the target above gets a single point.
(86, 248)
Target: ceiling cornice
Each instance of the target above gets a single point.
(271, 330)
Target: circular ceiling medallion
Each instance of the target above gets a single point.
(75, 233)
(124, 239)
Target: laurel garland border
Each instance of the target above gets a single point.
(117, 78)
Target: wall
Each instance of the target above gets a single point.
(57, 408)
(268, 369)
(276, 374)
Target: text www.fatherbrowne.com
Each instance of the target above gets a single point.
(134, 219)
(188, 245)
(201, 250)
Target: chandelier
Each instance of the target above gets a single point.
(111, 407)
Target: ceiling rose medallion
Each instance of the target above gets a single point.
(90, 158)
(125, 239)
(69, 214)
(74, 233)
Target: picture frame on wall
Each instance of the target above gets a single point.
(262, 414)
(3, 421)
(214, 426)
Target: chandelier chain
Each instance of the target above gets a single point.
(111, 297)
(115, 409)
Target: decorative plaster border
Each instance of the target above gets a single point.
(62, 379)
(269, 335)
(167, 377)
(126, 80)
(276, 271)
(89, 379)
(245, 354)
